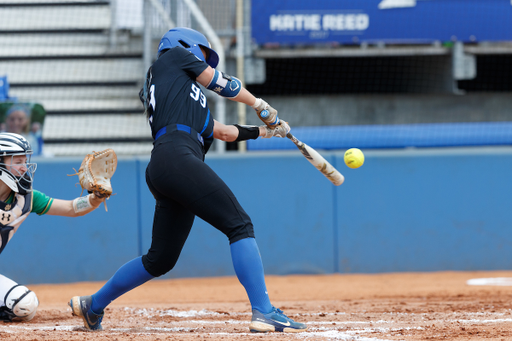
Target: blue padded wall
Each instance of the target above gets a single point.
(55, 249)
(283, 195)
(424, 211)
(404, 210)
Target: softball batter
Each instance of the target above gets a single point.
(184, 186)
(17, 201)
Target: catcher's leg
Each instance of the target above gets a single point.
(17, 302)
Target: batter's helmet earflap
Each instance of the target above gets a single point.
(190, 40)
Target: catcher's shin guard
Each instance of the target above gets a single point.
(20, 304)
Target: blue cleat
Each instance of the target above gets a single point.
(275, 321)
(81, 306)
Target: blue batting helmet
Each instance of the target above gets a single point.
(190, 40)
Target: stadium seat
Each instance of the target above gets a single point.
(4, 90)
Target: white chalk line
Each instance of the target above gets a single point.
(312, 332)
(315, 332)
(315, 328)
(483, 321)
(496, 281)
(190, 313)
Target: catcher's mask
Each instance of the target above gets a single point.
(190, 40)
(16, 171)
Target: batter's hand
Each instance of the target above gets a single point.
(278, 131)
(266, 113)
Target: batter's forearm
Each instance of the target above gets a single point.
(231, 133)
(245, 97)
(227, 133)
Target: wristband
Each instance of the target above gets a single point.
(247, 132)
(82, 204)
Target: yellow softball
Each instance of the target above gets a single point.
(354, 158)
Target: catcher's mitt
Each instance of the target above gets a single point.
(95, 172)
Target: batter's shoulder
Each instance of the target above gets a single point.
(178, 54)
(177, 58)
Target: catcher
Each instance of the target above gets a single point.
(18, 200)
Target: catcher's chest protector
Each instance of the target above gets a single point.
(12, 215)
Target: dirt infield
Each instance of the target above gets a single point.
(406, 306)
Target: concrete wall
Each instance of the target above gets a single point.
(404, 210)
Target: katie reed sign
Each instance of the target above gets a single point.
(318, 25)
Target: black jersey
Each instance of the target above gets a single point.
(174, 95)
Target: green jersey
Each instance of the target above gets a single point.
(16, 209)
(41, 203)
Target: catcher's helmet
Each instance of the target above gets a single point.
(190, 40)
(17, 180)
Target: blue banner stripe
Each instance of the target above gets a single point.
(353, 22)
(394, 136)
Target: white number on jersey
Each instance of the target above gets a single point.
(152, 100)
(197, 94)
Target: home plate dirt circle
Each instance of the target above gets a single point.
(362, 307)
